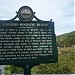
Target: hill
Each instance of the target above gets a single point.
(67, 39)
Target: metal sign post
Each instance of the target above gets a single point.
(27, 70)
(26, 43)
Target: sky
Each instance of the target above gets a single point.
(60, 11)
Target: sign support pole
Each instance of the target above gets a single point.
(27, 70)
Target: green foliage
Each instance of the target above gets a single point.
(65, 65)
(10, 69)
(67, 39)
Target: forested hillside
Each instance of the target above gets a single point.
(67, 39)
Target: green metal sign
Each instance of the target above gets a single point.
(27, 42)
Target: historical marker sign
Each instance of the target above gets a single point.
(27, 42)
